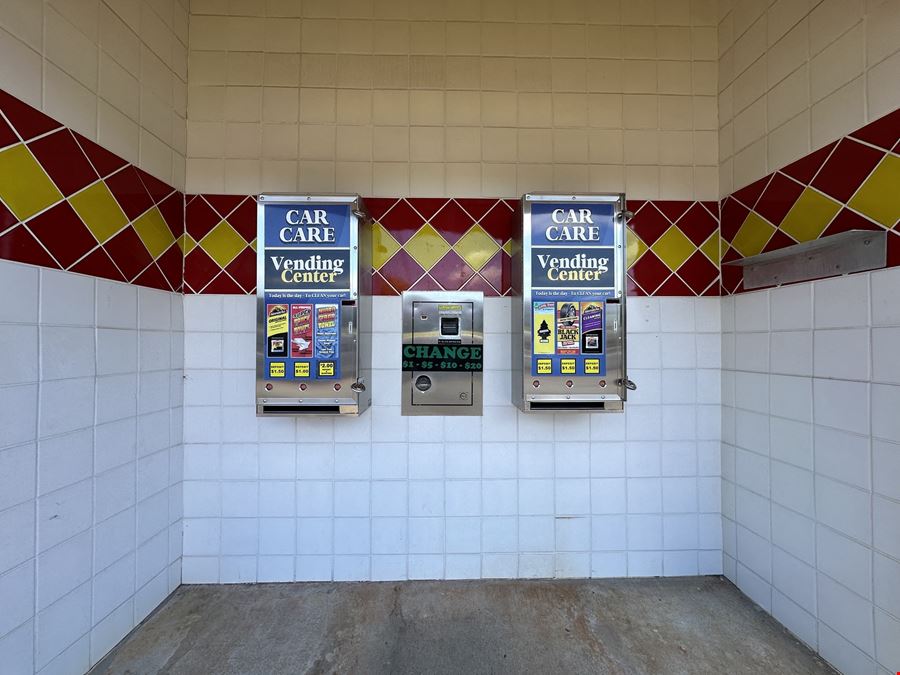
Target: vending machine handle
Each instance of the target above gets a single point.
(628, 384)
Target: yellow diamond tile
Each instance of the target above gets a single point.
(476, 247)
(710, 248)
(154, 232)
(186, 243)
(99, 211)
(253, 245)
(508, 246)
(223, 244)
(24, 186)
(426, 246)
(384, 246)
(809, 216)
(879, 196)
(673, 248)
(634, 247)
(753, 235)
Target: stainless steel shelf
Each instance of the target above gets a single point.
(834, 255)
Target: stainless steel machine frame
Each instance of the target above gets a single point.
(601, 393)
(448, 387)
(351, 393)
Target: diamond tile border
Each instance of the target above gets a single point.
(71, 229)
(469, 239)
(849, 184)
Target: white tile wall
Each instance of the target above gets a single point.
(817, 504)
(509, 495)
(90, 500)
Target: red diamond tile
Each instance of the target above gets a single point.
(893, 249)
(199, 218)
(731, 274)
(883, 132)
(778, 198)
(130, 192)
(64, 161)
(128, 252)
(402, 221)
(712, 207)
(805, 169)
(401, 271)
(697, 224)
(427, 206)
(158, 189)
(845, 170)
(243, 219)
(748, 194)
(631, 287)
(634, 205)
(380, 286)
(733, 215)
(673, 286)
(500, 223)
(848, 220)
(104, 161)
(199, 269)
(20, 245)
(7, 135)
(476, 207)
(650, 272)
(27, 121)
(243, 269)
(225, 285)
(426, 283)
(478, 283)
(224, 204)
(698, 272)
(451, 272)
(649, 224)
(671, 209)
(452, 222)
(152, 278)
(714, 291)
(63, 233)
(171, 264)
(172, 210)
(498, 271)
(779, 240)
(378, 206)
(98, 264)
(7, 219)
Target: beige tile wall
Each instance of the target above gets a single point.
(795, 75)
(113, 70)
(456, 97)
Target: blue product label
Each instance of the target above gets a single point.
(573, 272)
(573, 249)
(306, 273)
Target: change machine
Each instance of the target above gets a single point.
(568, 311)
(313, 305)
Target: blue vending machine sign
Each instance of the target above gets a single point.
(573, 273)
(306, 274)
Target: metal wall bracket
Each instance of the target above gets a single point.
(834, 255)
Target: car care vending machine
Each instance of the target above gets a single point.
(568, 307)
(313, 305)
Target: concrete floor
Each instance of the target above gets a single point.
(686, 625)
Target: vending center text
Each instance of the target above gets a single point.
(314, 269)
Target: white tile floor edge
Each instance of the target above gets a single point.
(91, 384)
(811, 462)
